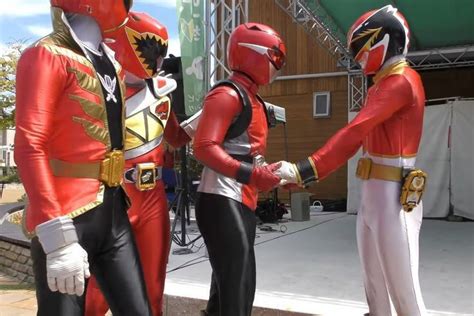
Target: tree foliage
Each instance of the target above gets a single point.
(8, 61)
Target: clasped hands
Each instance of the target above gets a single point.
(282, 173)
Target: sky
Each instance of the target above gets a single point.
(29, 20)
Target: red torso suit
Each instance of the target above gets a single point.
(149, 120)
(388, 126)
(62, 119)
(214, 151)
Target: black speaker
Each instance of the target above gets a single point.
(172, 65)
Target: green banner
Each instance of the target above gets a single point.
(191, 37)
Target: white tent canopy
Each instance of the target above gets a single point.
(446, 154)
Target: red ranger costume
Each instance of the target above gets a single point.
(68, 148)
(389, 128)
(140, 48)
(234, 167)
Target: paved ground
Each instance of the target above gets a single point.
(16, 299)
(314, 268)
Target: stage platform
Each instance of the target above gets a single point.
(313, 268)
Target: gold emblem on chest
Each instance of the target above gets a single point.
(148, 124)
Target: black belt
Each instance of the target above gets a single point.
(244, 158)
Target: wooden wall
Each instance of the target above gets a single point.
(305, 134)
(457, 82)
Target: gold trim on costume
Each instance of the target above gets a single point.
(86, 81)
(74, 213)
(90, 205)
(394, 69)
(66, 52)
(311, 162)
(92, 109)
(117, 27)
(96, 132)
(298, 176)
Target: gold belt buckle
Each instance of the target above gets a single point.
(111, 168)
(413, 187)
(363, 168)
(145, 176)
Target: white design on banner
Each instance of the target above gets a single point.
(109, 86)
(196, 68)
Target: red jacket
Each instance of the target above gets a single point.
(221, 106)
(60, 114)
(389, 125)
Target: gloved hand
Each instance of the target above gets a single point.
(67, 269)
(288, 173)
(66, 261)
(263, 177)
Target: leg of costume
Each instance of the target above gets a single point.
(228, 228)
(51, 303)
(150, 223)
(105, 233)
(96, 305)
(394, 239)
(151, 226)
(374, 280)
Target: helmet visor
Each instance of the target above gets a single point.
(277, 57)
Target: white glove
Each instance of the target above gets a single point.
(287, 172)
(66, 261)
(67, 268)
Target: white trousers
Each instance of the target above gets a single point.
(387, 238)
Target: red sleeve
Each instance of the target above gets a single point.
(391, 95)
(220, 108)
(174, 134)
(40, 82)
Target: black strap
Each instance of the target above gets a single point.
(269, 113)
(244, 173)
(245, 117)
(245, 158)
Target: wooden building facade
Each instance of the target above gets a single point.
(305, 134)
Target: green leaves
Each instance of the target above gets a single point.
(8, 61)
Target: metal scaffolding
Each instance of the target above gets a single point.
(319, 24)
(440, 58)
(222, 16)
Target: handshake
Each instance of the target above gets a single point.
(282, 173)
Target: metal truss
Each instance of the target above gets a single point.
(356, 90)
(222, 16)
(318, 23)
(442, 58)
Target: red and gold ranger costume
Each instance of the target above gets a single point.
(234, 170)
(68, 148)
(388, 128)
(140, 48)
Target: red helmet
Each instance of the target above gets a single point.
(109, 14)
(256, 50)
(377, 36)
(141, 45)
